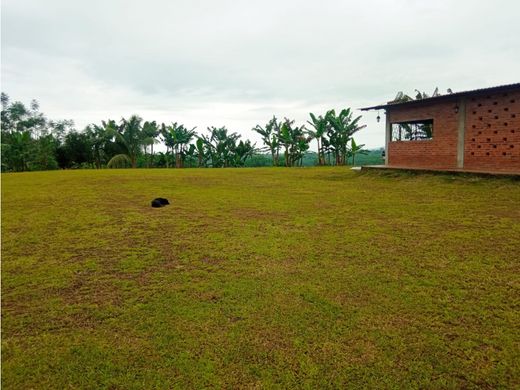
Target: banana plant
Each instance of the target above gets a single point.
(271, 137)
(341, 129)
(320, 125)
(356, 149)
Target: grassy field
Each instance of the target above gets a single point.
(259, 278)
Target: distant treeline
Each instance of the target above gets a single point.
(30, 141)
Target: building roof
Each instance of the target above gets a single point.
(491, 90)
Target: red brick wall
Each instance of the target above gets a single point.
(492, 137)
(491, 140)
(440, 151)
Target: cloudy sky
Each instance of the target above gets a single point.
(236, 63)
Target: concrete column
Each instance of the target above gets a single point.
(461, 131)
(388, 135)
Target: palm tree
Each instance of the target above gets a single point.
(150, 134)
(169, 141)
(183, 137)
(130, 136)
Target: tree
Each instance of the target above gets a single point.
(200, 152)
(150, 134)
(341, 129)
(242, 151)
(295, 141)
(177, 138)
(29, 140)
(218, 146)
(222, 149)
(130, 136)
(16, 151)
(271, 137)
(356, 149)
(98, 138)
(320, 125)
(75, 150)
(44, 155)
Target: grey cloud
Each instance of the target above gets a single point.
(249, 59)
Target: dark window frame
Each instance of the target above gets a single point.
(414, 130)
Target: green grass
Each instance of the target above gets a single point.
(259, 278)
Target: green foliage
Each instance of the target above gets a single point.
(321, 127)
(177, 139)
(356, 149)
(221, 149)
(342, 128)
(151, 133)
(31, 142)
(271, 138)
(130, 136)
(75, 150)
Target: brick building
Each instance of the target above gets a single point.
(475, 130)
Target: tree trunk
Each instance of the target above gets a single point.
(319, 153)
(177, 160)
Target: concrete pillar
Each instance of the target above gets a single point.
(461, 132)
(388, 135)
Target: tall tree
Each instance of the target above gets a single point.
(342, 127)
(150, 134)
(271, 138)
(320, 125)
(356, 149)
(295, 141)
(177, 138)
(130, 136)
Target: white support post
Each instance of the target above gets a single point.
(461, 132)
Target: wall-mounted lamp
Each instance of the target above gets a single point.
(456, 109)
(378, 117)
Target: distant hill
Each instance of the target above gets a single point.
(373, 157)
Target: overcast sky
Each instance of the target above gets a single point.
(236, 63)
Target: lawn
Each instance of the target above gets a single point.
(259, 278)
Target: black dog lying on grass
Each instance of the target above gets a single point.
(160, 202)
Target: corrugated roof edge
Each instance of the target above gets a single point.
(500, 88)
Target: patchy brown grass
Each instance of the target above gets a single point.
(259, 278)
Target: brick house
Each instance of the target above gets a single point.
(475, 130)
